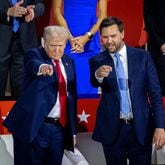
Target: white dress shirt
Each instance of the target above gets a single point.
(55, 111)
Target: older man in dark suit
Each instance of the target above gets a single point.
(130, 106)
(43, 120)
(17, 34)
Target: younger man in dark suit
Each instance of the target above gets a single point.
(43, 120)
(125, 117)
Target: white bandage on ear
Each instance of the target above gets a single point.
(42, 42)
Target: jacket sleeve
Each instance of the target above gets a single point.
(148, 7)
(93, 67)
(154, 93)
(3, 16)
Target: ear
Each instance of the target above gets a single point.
(42, 42)
(123, 33)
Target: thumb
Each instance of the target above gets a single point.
(50, 66)
(31, 6)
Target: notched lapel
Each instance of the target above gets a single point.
(111, 79)
(131, 57)
(67, 66)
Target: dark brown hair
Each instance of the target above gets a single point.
(109, 21)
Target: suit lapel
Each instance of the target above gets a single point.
(66, 66)
(109, 61)
(112, 79)
(131, 57)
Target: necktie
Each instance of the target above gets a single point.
(62, 94)
(15, 21)
(123, 86)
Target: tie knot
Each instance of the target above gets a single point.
(117, 55)
(56, 61)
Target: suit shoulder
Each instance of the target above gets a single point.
(68, 58)
(38, 50)
(138, 51)
(98, 56)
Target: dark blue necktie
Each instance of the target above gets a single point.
(15, 21)
(123, 86)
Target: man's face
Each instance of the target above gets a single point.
(112, 38)
(54, 48)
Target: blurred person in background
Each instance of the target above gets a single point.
(17, 34)
(82, 19)
(154, 17)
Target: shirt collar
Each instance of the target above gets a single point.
(122, 52)
(60, 61)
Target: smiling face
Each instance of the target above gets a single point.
(112, 38)
(54, 47)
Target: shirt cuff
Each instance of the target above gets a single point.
(39, 70)
(100, 80)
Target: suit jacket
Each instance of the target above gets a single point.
(143, 82)
(27, 31)
(39, 96)
(154, 17)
